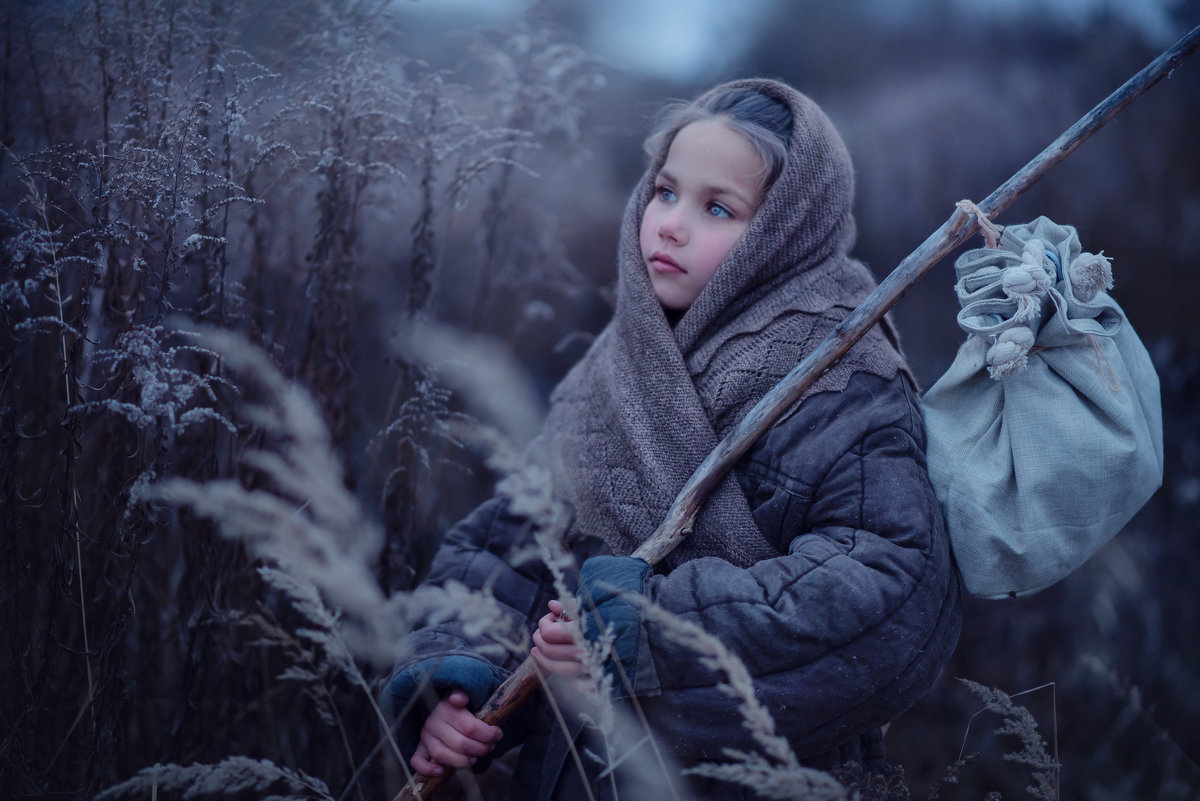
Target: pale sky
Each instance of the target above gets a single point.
(694, 39)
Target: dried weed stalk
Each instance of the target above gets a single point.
(259, 777)
(773, 773)
(307, 520)
(158, 161)
(625, 742)
(1020, 723)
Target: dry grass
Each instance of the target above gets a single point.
(210, 546)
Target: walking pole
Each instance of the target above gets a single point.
(956, 230)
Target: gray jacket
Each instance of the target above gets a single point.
(841, 633)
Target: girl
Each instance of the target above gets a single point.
(822, 562)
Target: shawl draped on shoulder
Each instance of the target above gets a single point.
(632, 421)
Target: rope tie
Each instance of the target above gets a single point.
(990, 231)
(1009, 355)
(1090, 273)
(1028, 282)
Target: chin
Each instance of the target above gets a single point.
(669, 297)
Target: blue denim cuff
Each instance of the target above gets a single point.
(444, 674)
(605, 584)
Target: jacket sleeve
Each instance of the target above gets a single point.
(482, 553)
(853, 623)
(445, 654)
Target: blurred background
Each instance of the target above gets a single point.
(320, 175)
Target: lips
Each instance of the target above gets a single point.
(663, 263)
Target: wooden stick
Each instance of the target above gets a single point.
(956, 230)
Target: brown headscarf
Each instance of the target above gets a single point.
(632, 421)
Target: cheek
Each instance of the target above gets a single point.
(647, 234)
(720, 246)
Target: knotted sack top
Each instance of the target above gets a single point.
(1038, 287)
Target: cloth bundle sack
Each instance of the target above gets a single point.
(1045, 435)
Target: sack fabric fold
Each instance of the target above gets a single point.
(1045, 434)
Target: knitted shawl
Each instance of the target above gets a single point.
(632, 421)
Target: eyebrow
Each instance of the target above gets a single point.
(716, 190)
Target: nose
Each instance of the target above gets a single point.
(671, 226)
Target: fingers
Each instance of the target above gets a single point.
(457, 699)
(561, 667)
(555, 649)
(422, 764)
(453, 737)
(556, 634)
(464, 720)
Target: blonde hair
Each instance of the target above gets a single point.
(765, 122)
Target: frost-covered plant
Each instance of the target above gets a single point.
(305, 519)
(424, 417)
(527, 488)
(774, 772)
(485, 375)
(1020, 723)
(164, 392)
(540, 85)
(318, 544)
(259, 777)
(317, 654)
(159, 159)
(317, 649)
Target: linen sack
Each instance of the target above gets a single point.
(1045, 435)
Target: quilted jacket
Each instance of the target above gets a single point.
(841, 632)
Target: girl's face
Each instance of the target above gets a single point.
(704, 198)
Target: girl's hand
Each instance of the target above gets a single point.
(452, 737)
(554, 644)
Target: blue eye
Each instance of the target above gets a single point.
(717, 210)
(666, 193)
